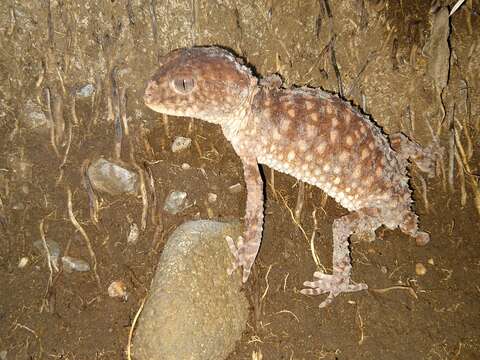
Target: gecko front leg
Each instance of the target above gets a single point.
(246, 249)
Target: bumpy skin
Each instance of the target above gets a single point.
(307, 133)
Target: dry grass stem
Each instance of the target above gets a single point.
(52, 123)
(266, 281)
(50, 265)
(315, 257)
(92, 197)
(166, 125)
(288, 312)
(300, 201)
(285, 282)
(473, 180)
(65, 155)
(132, 328)
(292, 215)
(40, 347)
(397, 287)
(360, 326)
(123, 110)
(461, 174)
(85, 236)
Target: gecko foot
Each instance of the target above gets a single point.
(240, 251)
(331, 284)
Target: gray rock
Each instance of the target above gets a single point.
(71, 264)
(33, 116)
(175, 202)
(111, 178)
(195, 310)
(86, 91)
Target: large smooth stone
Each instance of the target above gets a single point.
(195, 310)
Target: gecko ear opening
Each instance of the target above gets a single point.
(183, 85)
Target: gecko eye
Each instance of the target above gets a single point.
(183, 86)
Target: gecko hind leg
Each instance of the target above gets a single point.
(339, 281)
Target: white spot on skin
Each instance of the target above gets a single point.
(276, 135)
(291, 113)
(334, 122)
(302, 145)
(326, 167)
(336, 170)
(349, 140)
(311, 130)
(309, 158)
(343, 156)
(336, 181)
(333, 136)
(284, 125)
(321, 147)
(371, 145)
(291, 155)
(348, 118)
(314, 117)
(357, 172)
(364, 153)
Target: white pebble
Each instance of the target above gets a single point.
(212, 197)
(181, 143)
(133, 234)
(23, 262)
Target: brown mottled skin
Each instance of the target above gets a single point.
(307, 133)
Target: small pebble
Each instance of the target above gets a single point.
(211, 197)
(431, 262)
(384, 269)
(186, 166)
(3, 355)
(235, 189)
(71, 264)
(175, 202)
(107, 176)
(118, 289)
(86, 90)
(23, 262)
(133, 234)
(181, 143)
(420, 269)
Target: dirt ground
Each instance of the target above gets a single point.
(372, 51)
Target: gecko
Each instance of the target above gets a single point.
(310, 134)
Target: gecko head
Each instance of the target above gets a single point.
(208, 83)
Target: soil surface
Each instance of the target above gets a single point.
(423, 302)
